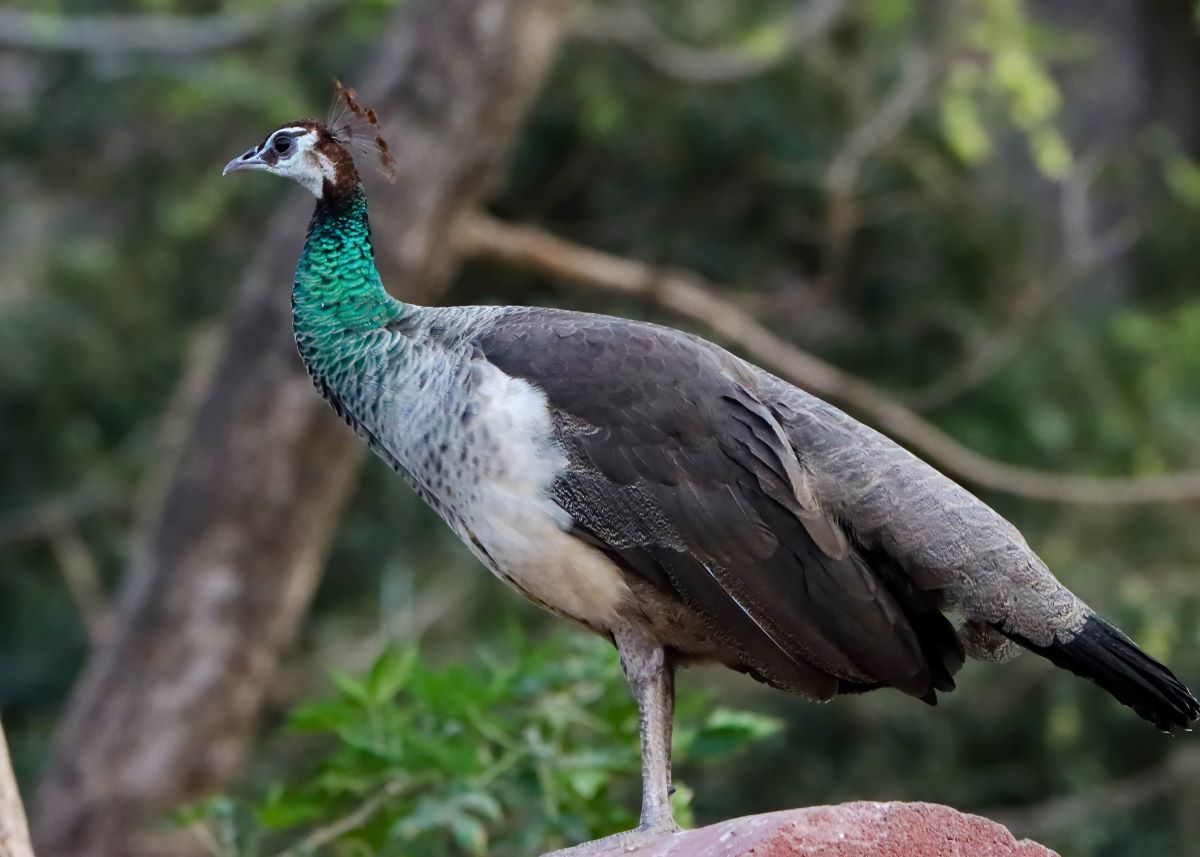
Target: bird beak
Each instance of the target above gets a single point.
(247, 161)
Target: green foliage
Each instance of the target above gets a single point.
(509, 755)
(1013, 78)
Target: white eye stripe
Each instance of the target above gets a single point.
(298, 132)
(299, 161)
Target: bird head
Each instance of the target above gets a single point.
(304, 151)
(317, 154)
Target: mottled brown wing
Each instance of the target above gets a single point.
(685, 478)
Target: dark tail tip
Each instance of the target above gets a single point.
(1103, 654)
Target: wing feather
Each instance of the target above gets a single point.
(686, 477)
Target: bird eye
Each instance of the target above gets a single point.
(283, 144)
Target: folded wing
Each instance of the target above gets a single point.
(683, 475)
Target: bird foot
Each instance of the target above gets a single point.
(620, 843)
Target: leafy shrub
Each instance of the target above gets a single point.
(513, 754)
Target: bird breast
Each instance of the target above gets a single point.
(486, 462)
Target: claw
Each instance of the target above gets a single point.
(629, 840)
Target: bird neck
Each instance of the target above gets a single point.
(337, 290)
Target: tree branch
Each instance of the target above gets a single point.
(885, 120)
(14, 832)
(157, 34)
(81, 574)
(92, 499)
(690, 296)
(632, 28)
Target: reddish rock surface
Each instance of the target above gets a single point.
(849, 830)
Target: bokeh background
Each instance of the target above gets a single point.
(985, 213)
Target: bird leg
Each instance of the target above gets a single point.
(651, 677)
(652, 680)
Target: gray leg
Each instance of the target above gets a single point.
(652, 680)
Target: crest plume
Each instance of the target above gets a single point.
(356, 126)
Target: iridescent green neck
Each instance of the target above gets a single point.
(337, 289)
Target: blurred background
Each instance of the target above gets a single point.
(984, 213)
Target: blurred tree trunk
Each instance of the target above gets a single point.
(14, 833)
(1149, 75)
(1150, 71)
(165, 711)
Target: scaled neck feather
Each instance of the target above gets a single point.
(337, 291)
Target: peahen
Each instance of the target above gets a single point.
(672, 497)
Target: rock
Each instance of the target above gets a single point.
(849, 830)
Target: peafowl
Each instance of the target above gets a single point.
(673, 498)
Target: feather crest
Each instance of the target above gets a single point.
(357, 127)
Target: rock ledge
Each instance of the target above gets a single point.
(861, 829)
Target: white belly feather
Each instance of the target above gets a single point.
(514, 527)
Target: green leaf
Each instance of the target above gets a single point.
(587, 783)
(681, 805)
(889, 15)
(1050, 152)
(326, 715)
(747, 723)
(725, 731)
(427, 815)
(350, 687)
(483, 804)
(470, 835)
(390, 673)
(766, 42)
(1183, 179)
(283, 809)
(197, 812)
(351, 777)
(961, 124)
